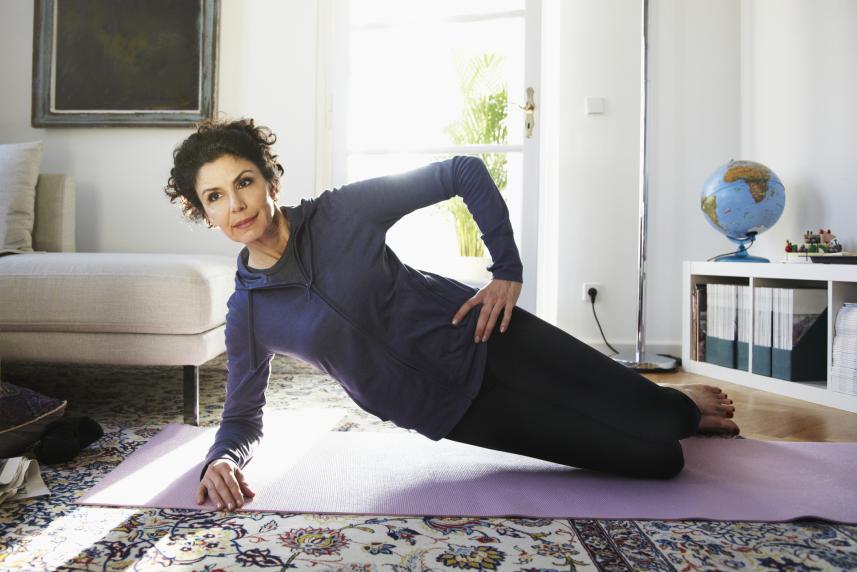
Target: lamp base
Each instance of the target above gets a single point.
(647, 361)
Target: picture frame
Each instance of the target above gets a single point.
(104, 63)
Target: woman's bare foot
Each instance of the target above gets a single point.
(716, 408)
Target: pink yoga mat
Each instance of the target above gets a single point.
(300, 467)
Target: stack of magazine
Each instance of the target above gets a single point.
(20, 478)
(721, 324)
(763, 330)
(843, 374)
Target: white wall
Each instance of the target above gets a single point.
(799, 110)
(694, 72)
(695, 127)
(769, 80)
(598, 165)
(766, 80)
(267, 71)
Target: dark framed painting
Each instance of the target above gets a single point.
(124, 62)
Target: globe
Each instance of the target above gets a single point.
(742, 199)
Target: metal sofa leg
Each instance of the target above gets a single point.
(191, 394)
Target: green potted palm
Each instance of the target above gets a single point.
(483, 121)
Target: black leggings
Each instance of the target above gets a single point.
(550, 396)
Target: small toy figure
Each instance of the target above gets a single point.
(826, 235)
(811, 238)
(824, 242)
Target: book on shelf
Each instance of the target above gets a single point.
(762, 325)
(698, 314)
(799, 334)
(843, 372)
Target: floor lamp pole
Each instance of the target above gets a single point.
(639, 359)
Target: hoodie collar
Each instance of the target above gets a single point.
(298, 217)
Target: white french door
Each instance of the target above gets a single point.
(423, 80)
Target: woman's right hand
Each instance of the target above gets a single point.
(225, 484)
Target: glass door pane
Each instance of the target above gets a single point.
(409, 86)
(426, 81)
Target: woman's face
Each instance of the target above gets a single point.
(236, 198)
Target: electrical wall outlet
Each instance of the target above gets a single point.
(586, 287)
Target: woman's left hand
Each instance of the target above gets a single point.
(495, 296)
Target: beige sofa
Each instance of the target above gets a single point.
(61, 306)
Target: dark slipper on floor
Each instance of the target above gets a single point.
(89, 430)
(63, 439)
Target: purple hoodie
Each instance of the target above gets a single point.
(340, 299)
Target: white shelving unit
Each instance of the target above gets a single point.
(841, 283)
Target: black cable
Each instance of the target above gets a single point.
(592, 299)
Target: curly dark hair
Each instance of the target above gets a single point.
(212, 140)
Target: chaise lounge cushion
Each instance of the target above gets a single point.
(114, 293)
(19, 171)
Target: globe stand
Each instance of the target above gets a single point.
(740, 255)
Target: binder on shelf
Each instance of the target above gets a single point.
(762, 331)
(698, 322)
(742, 347)
(720, 336)
(799, 351)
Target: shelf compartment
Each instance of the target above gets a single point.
(840, 283)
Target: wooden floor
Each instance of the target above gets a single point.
(772, 417)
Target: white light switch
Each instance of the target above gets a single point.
(594, 105)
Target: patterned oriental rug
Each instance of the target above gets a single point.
(133, 404)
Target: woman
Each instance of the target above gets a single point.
(317, 282)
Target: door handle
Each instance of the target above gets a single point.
(529, 113)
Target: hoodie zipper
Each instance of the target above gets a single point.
(442, 377)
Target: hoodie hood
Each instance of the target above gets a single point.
(278, 276)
